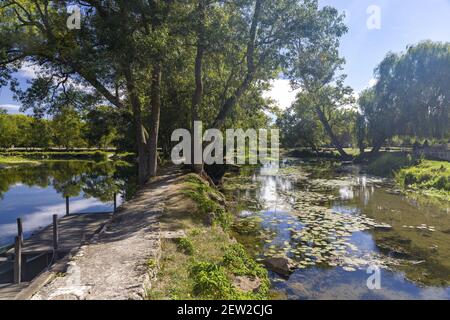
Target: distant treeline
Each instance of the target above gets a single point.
(67, 129)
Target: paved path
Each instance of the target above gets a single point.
(114, 265)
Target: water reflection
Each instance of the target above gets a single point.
(35, 193)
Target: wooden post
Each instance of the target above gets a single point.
(18, 261)
(67, 206)
(115, 202)
(55, 232)
(20, 230)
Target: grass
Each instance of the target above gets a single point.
(56, 155)
(203, 264)
(429, 177)
(15, 160)
(208, 201)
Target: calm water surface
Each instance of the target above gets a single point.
(334, 222)
(35, 193)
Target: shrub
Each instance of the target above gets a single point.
(388, 163)
(213, 280)
(185, 245)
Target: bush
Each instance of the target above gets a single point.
(206, 199)
(388, 163)
(185, 245)
(426, 175)
(213, 280)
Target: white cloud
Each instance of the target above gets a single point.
(11, 108)
(28, 71)
(372, 82)
(282, 93)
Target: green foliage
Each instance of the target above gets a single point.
(206, 199)
(409, 98)
(237, 260)
(213, 280)
(388, 163)
(427, 176)
(58, 155)
(100, 127)
(185, 245)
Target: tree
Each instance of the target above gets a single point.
(108, 66)
(67, 128)
(313, 67)
(411, 97)
(100, 129)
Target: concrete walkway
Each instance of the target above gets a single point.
(115, 264)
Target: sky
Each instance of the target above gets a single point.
(402, 23)
(395, 24)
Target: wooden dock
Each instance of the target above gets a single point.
(65, 235)
(73, 230)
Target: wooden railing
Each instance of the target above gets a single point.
(19, 239)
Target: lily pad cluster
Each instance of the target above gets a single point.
(319, 236)
(422, 227)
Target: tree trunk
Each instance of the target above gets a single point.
(329, 131)
(141, 139)
(377, 146)
(198, 92)
(155, 116)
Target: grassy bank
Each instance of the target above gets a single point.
(21, 157)
(15, 160)
(428, 177)
(205, 262)
(387, 164)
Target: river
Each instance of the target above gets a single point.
(346, 235)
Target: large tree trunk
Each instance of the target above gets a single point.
(198, 92)
(155, 116)
(141, 139)
(330, 133)
(377, 146)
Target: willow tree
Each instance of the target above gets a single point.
(411, 97)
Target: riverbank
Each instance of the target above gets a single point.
(431, 178)
(6, 161)
(34, 157)
(204, 261)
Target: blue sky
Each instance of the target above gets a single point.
(403, 22)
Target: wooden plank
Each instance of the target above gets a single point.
(71, 231)
(11, 291)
